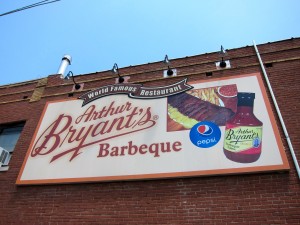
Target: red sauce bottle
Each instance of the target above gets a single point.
(243, 132)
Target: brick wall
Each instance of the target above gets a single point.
(266, 198)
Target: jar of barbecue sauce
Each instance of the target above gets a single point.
(243, 132)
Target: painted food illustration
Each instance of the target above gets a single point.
(227, 91)
(215, 104)
(243, 132)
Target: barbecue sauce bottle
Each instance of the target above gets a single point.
(243, 132)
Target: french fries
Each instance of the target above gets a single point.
(206, 94)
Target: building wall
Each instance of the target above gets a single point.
(264, 198)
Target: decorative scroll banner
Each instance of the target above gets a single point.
(136, 91)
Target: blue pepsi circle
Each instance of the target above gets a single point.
(205, 134)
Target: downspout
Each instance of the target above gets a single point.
(278, 112)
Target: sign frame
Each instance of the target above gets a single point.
(159, 175)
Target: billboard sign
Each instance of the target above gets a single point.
(221, 126)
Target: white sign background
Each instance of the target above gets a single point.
(189, 161)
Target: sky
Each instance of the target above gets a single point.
(99, 33)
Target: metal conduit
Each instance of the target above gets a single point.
(278, 112)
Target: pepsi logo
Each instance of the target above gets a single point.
(205, 130)
(205, 134)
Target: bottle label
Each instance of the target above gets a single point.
(246, 139)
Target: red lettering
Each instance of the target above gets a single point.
(132, 147)
(51, 136)
(76, 149)
(123, 148)
(142, 147)
(64, 132)
(153, 148)
(114, 151)
(163, 149)
(177, 146)
(103, 151)
(88, 113)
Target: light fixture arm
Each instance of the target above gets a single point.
(77, 86)
(222, 54)
(115, 70)
(166, 60)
